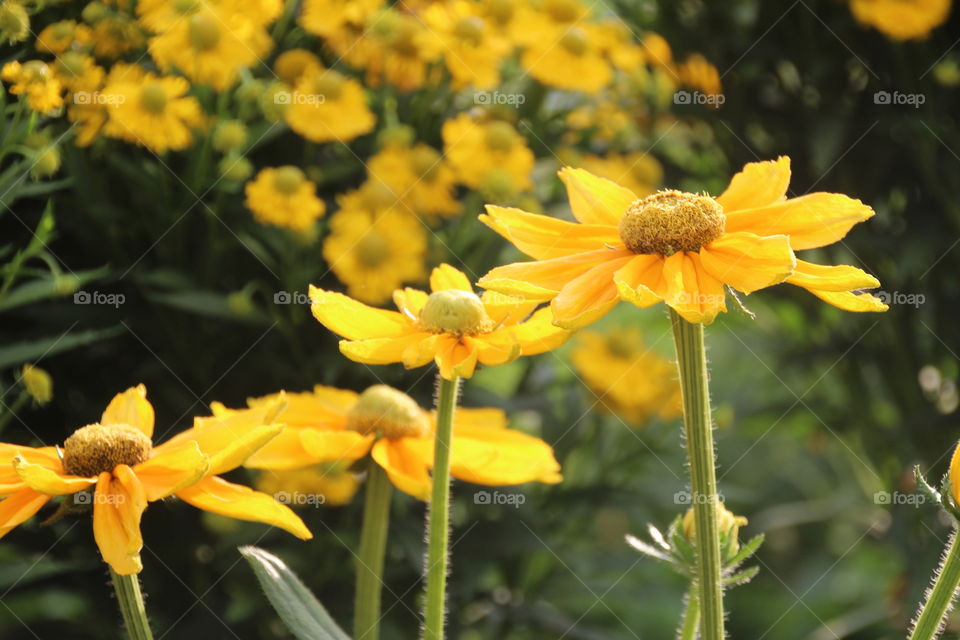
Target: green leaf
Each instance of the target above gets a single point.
(297, 607)
(743, 577)
(207, 303)
(746, 551)
(50, 287)
(34, 350)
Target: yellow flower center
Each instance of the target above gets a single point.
(63, 30)
(498, 184)
(71, 64)
(96, 448)
(377, 194)
(230, 136)
(671, 221)
(500, 10)
(329, 84)
(425, 162)
(402, 36)
(621, 344)
(454, 311)
(287, 180)
(562, 10)
(500, 136)
(373, 250)
(153, 97)
(574, 40)
(390, 413)
(204, 33)
(470, 29)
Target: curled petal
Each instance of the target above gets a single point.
(757, 185)
(692, 292)
(595, 200)
(831, 277)
(539, 334)
(448, 277)
(118, 505)
(640, 280)
(19, 507)
(171, 469)
(132, 408)
(49, 482)
(542, 280)
(406, 465)
(543, 237)
(588, 297)
(748, 262)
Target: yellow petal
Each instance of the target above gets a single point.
(495, 348)
(831, 278)
(498, 457)
(595, 200)
(10, 481)
(748, 262)
(47, 481)
(405, 466)
(590, 296)
(759, 184)
(692, 292)
(236, 453)
(848, 301)
(19, 507)
(410, 301)
(243, 503)
(334, 446)
(487, 417)
(539, 334)
(118, 505)
(640, 280)
(381, 350)
(171, 469)
(215, 433)
(325, 406)
(542, 280)
(813, 220)
(543, 237)
(354, 320)
(456, 358)
(506, 309)
(954, 474)
(448, 277)
(131, 407)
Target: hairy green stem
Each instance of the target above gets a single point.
(691, 616)
(940, 597)
(438, 520)
(698, 426)
(131, 606)
(373, 545)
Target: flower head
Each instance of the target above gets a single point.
(902, 19)
(37, 383)
(472, 49)
(415, 179)
(283, 197)
(327, 106)
(451, 326)
(679, 248)
(62, 36)
(113, 465)
(37, 81)
(490, 156)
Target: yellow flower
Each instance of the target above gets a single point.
(37, 383)
(628, 377)
(481, 154)
(619, 47)
(605, 118)
(638, 171)
(902, 19)
(472, 51)
(62, 36)
(283, 197)
(374, 253)
(14, 22)
(150, 110)
(293, 63)
(37, 81)
(330, 485)
(329, 18)
(211, 46)
(678, 248)
(114, 36)
(698, 73)
(415, 179)
(79, 72)
(451, 326)
(113, 465)
(326, 106)
(337, 426)
(569, 57)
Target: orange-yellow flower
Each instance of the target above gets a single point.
(451, 326)
(902, 19)
(116, 460)
(333, 425)
(679, 248)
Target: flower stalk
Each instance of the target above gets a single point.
(132, 609)
(691, 616)
(370, 558)
(438, 525)
(698, 427)
(940, 597)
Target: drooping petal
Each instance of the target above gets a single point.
(323, 406)
(455, 358)
(10, 481)
(214, 434)
(495, 348)
(539, 334)
(243, 503)
(849, 301)
(237, 452)
(354, 320)
(446, 276)
(640, 280)
(542, 280)
(382, 350)
(49, 482)
(405, 465)
(831, 277)
(486, 417)
(595, 200)
(502, 457)
(811, 221)
(757, 185)
(334, 446)
(118, 505)
(19, 507)
(132, 408)
(692, 292)
(506, 309)
(748, 262)
(589, 296)
(543, 237)
(171, 469)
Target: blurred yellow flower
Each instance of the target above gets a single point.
(37, 81)
(79, 72)
(337, 426)
(113, 466)
(61, 36)
(283, 197)
(657, 50)
(14, 22)
(37, 383)
(472, 51)
(150, 110)
(451, 326)
(326, 106)
(415, 179)
(483, 153)
(374, 253)
(679, 248)
(698, 73)
(902, 19)
(569, 57)
(628, 377)
(331, 485)
(329, 18)
(116, 35)
(396, 48)
(293, 63)
(638, 171)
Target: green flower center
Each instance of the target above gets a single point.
(373, 250)
(574, 40)
(329, 84)
(562, 10)
(204, 33)
(500, 136)
(96, 448)
(287, 180)
(384, 411)
(153, 97)
(454, 311)
(671, 221)
(470, 29)
(425, 162)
